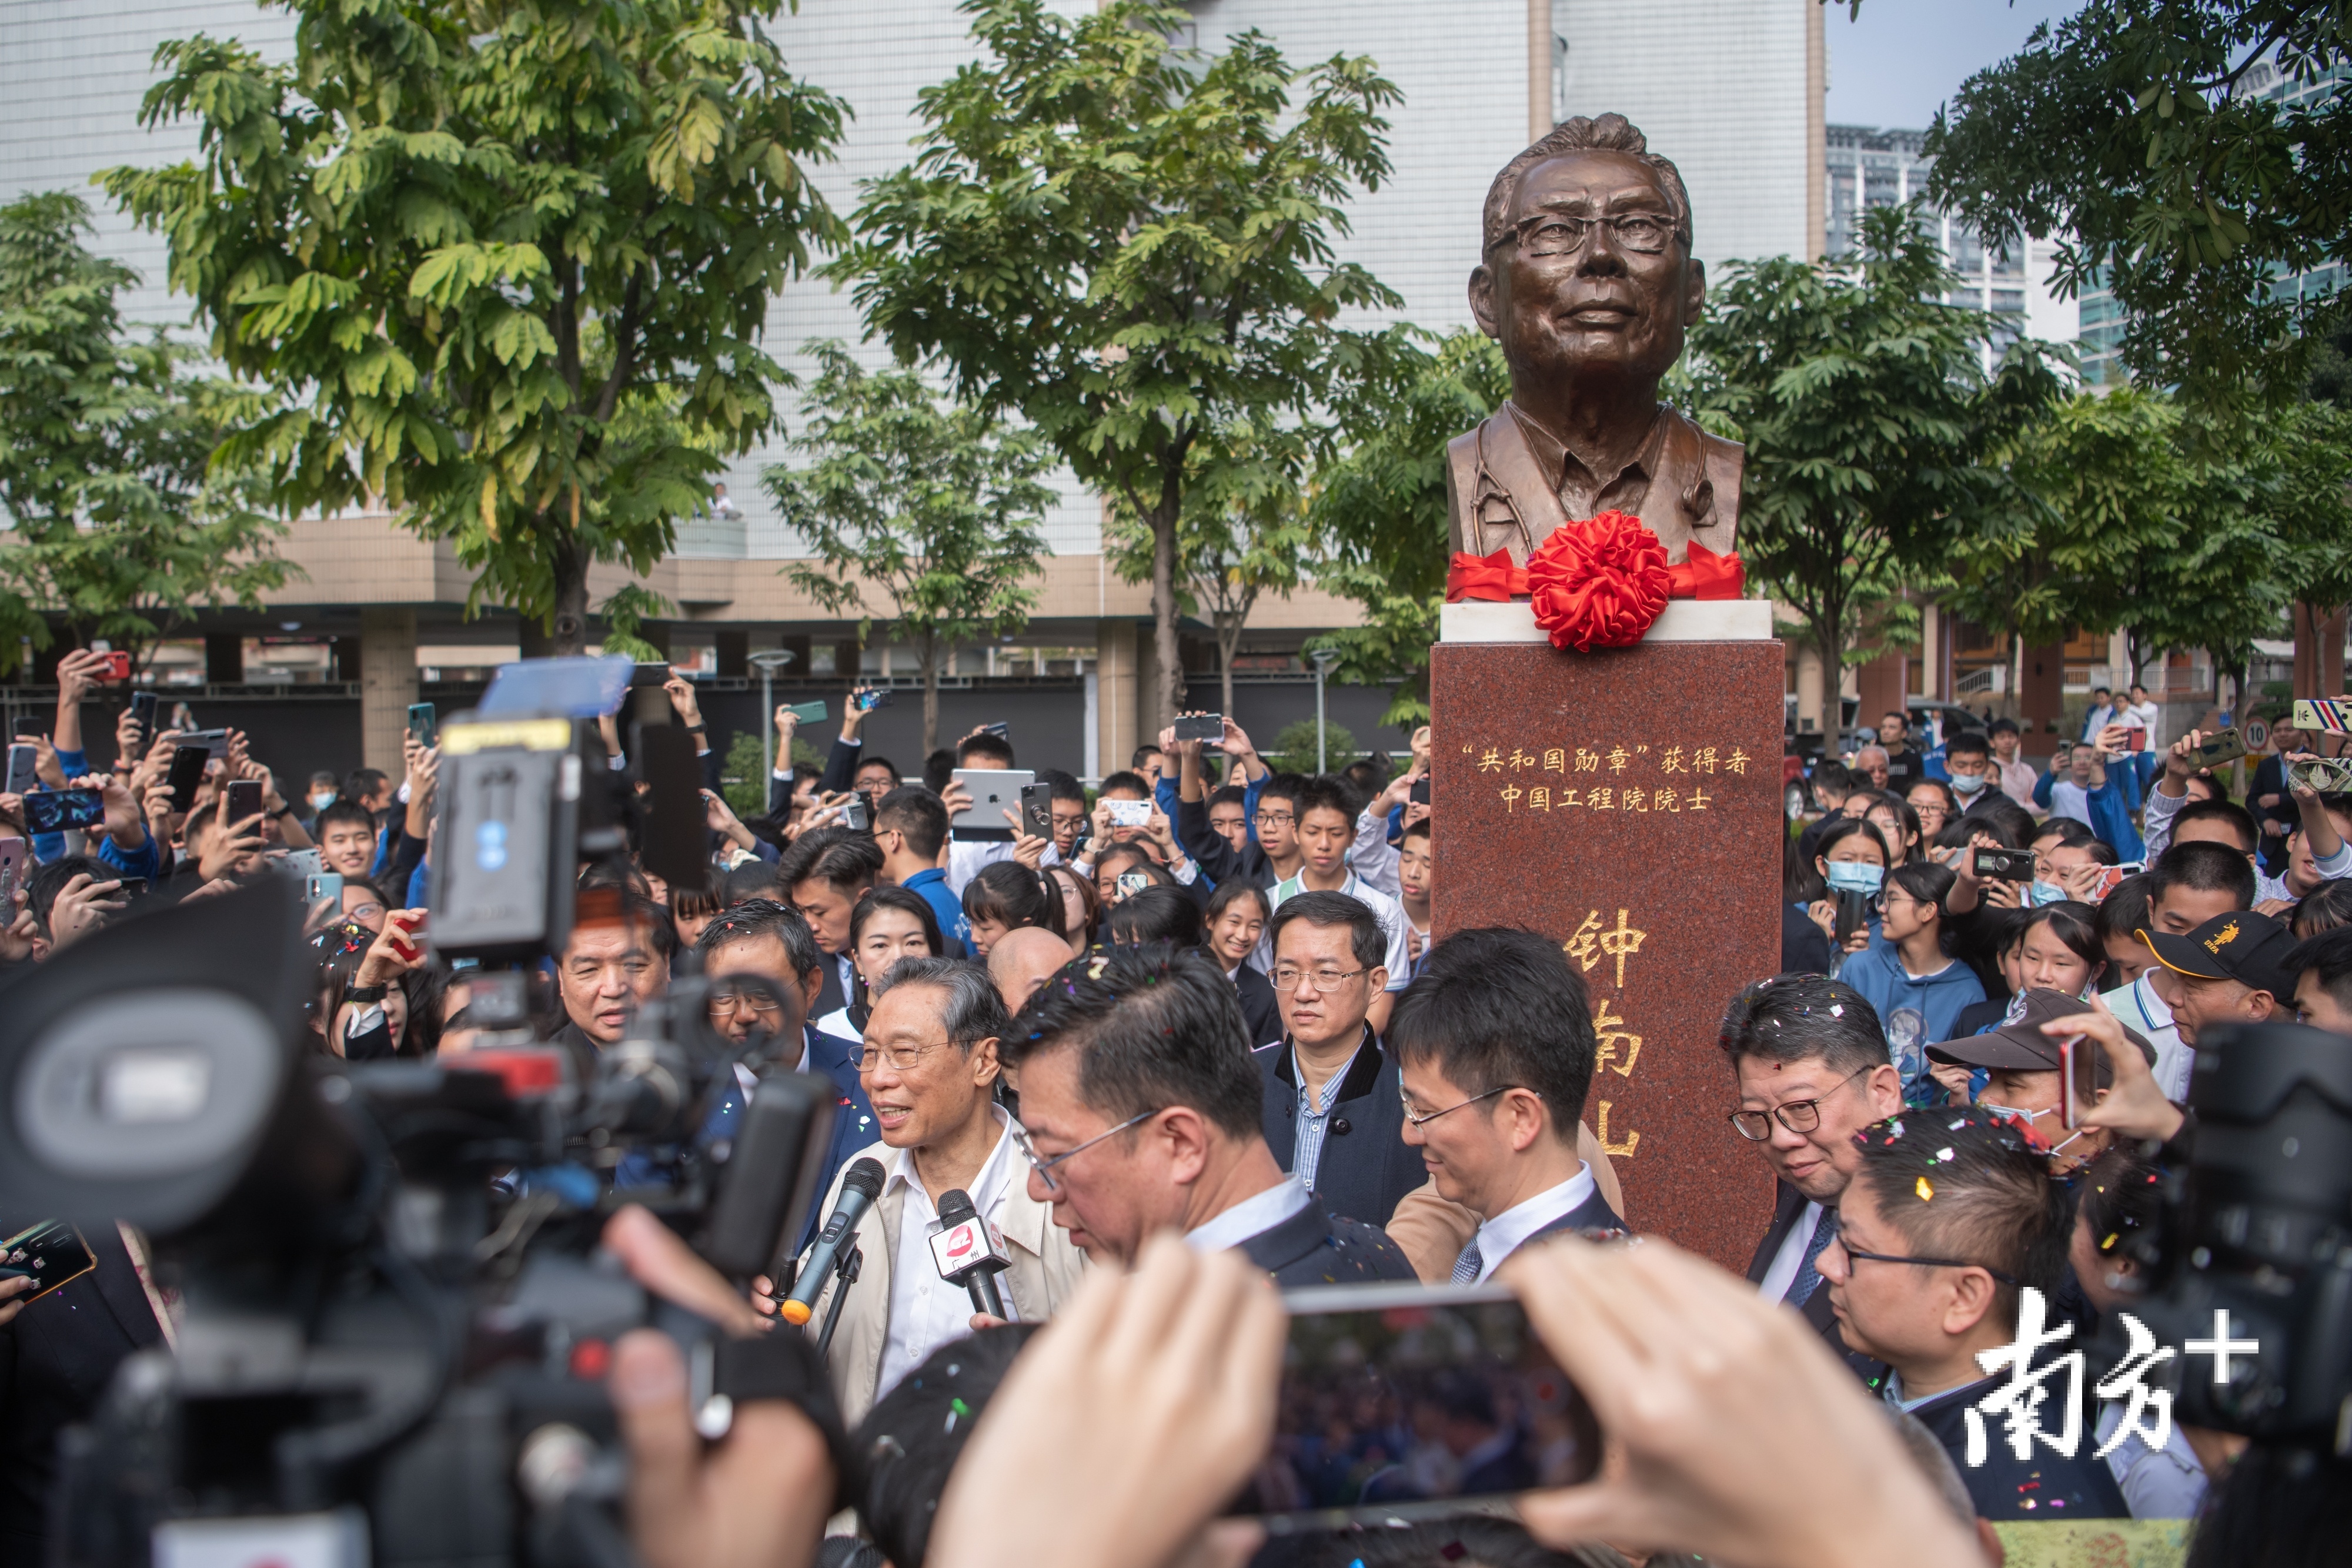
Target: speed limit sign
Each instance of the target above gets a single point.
(2257, 734)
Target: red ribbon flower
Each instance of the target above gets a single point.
(1599, 584)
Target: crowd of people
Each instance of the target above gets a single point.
(1200, 1031)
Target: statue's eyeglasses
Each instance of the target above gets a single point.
(1550, 234)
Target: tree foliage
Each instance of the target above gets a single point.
(118, 523)
(936, 508)
(1242, 533)
(506, 262)
(2122, 134)
(1873, 431)
(1130, 243)
(1378, 502)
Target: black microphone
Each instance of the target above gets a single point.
(860, 1187)
(969, 1252)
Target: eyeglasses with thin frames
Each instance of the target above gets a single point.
(1424, 1121)
(1559, 233)
(1044, 1163)
(1852, 1251)
(1325, 981)
(901, 1057)
(1797, 1115)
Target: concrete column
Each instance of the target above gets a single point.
(1809, 684)
(1538, 68)
(1817, 174)
(1115, 671)
(387, 683)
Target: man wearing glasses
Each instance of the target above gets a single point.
(1494, 1044)
(1812, 1070)
(928, 1065)
(1142, 1114)
(767, 948)
(1330, 1110)
(1950, 1215)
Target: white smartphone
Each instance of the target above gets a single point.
(1129, 814)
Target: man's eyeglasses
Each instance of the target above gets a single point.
(1275, 818)
(1044, 1163)
(760, 1002)
(1422, 1121)
(1852, 1251)
(901, 1057)
(1555, 234)
(1797, 1115)
(1325, 981)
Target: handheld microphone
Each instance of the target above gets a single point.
(860, 1187)
(969, 1252)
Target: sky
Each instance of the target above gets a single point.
(1895, 66)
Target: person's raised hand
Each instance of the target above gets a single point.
(128, 738)
(956, 797)
(1161, 831)
(79, 674)
(682, 698)
(81, 907)
(155, 805)
(2082, 881)
(1154, 1391)
(18, 934)
(395, 950)
(12, 804)
(788, 725)
(1956, 1078)
(1422, 750)
(1236, 741)
(226, 851)
(1099, 828)
(2133, 1105)
(12, 1295)
(45, 765)
(758, 1498)
(1822, 912)
(2179, 764)
(1027, 848)
(122, 823)
(1703, 1388)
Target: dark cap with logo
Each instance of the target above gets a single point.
(2019, 1045)
(2241, 945)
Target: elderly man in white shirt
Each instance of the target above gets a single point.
(929, 1066)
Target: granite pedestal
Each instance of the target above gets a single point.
(1626, 803)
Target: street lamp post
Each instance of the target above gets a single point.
(771, 661)
(1322, 659)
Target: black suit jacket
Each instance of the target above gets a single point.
(1365, 1169)
(56, 1361)
(1310, 1248)
(2047, 1486)
(1787, 1204)
(1259, 1010)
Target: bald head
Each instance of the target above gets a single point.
(1022, 960)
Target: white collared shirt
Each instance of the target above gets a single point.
(2138, 1006)
(1506, 1232)
(926, 1312)
(1252, 1216)
(1386, 910)
(1790, 1258)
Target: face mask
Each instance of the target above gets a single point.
(1855, 877)
(322, 799)
(2042, 893)
(1966, 783)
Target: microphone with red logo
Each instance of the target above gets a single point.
(969, 1252)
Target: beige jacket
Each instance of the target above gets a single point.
(1045, 1273)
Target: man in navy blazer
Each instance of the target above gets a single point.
(1494, 1046)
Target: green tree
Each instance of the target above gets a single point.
(1872, 427)
(1131, 245)
(936, 508)
(1242, 534)
(507, 262)
(117, 522)
(1378, 502)
(2120, 134)
(1294, 748)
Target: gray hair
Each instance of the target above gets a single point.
(974, 1010)
(1610, 133)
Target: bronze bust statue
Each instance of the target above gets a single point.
(1587, 281)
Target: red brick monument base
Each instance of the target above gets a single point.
(1627, 804)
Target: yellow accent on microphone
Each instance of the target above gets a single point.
(794, 1313)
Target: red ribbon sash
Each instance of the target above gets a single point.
(1705, 575)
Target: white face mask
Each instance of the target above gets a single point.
(322, 800)
(1966, 783)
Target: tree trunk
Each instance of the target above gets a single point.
(568, 627)
(1225, 674)
(930, 693)
(1170, 697)
(1830, 644)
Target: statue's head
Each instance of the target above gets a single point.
(1585, 264)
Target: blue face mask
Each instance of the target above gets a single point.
(2040, 893)
(1855, 877)
(1966, 783)
(322, 799)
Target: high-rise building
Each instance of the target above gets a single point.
(1734, 100)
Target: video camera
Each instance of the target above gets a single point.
(2258, 1226)
(395, 1321)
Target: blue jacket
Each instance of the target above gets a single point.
(931, 886)
(1915, 1013)
(2111, 806)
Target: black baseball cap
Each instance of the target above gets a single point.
(2242, 945)
(2019, 1045)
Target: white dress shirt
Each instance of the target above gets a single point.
(926, 1312)
(1785, 1263)
(1505, 1234)
(2138, 1006)
(1252, 1216)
